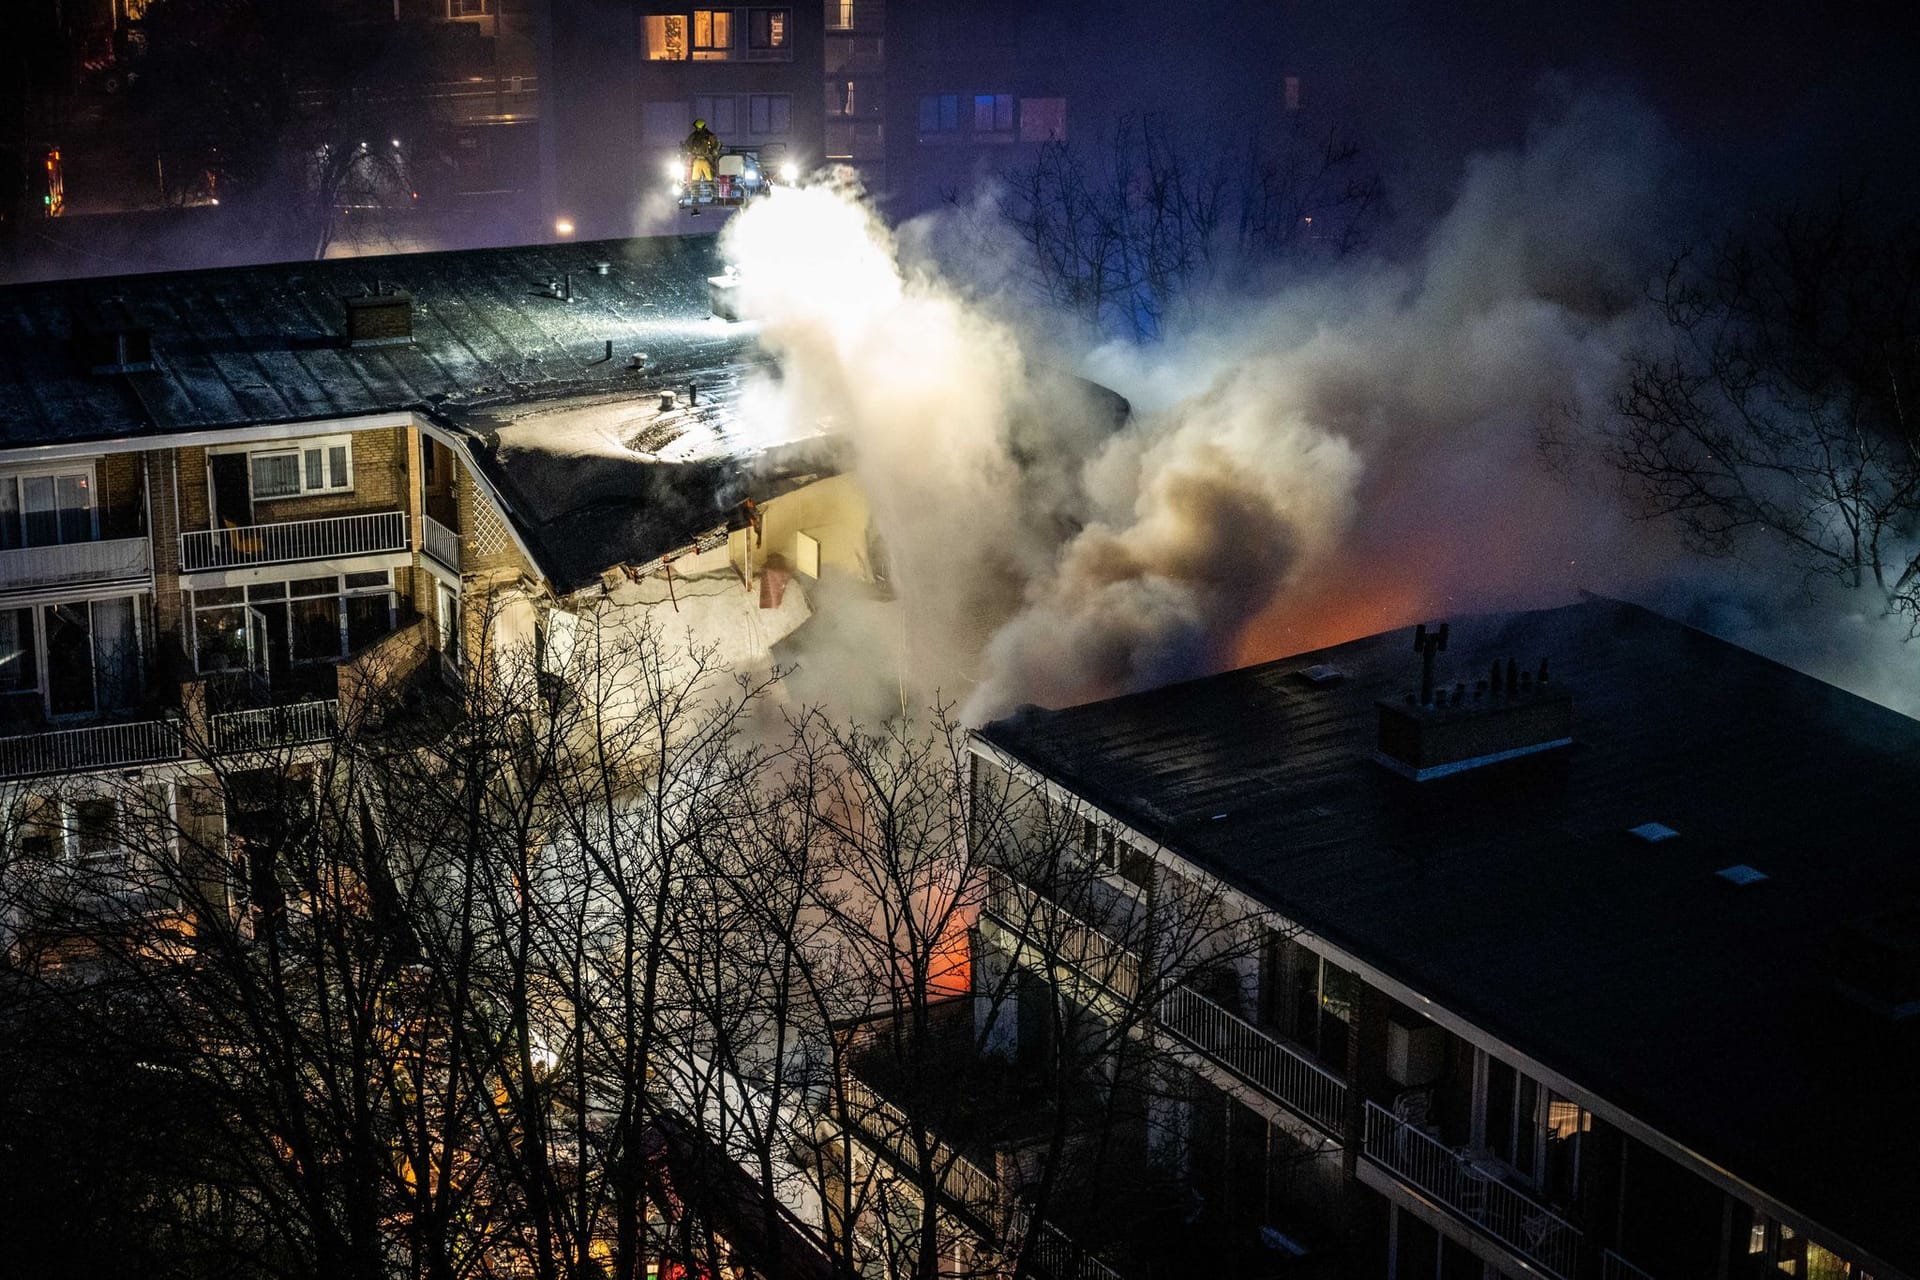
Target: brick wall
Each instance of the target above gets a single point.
(379, 482)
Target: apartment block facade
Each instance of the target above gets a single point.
(1559, 989)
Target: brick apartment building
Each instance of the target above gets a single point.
(231, 499)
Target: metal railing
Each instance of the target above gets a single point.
(1615, 1267)
(1039, 918)
(292, 540)
(1472, 1190)
(1055, 1250)
(111, 560)
(260, 728)
(440, 542)
(961, 1180)
(1263, 1061)
(965, 1183)
(106, 746)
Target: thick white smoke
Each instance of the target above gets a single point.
(1346, 454)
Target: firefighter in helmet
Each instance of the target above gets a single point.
(702, 148)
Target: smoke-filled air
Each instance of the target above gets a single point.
(1377, 442)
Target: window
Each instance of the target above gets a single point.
(839, 15)
(469, 8)
(41, 508)
(767, 32)
(718, 111)
(93, 833)
(712, 33)
(70, 659)
(993, 115)
(939, 114)
(19, 670)
(666, 37)
(320, 466)
(269, 626)
(1043, 119)
(770, 112)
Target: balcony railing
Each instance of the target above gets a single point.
(1274, 1068)
(114, 560)
(1262, 1060)
(961, 1181)
(261, 728)
(440, 542)
(1041, 919)
(293, 540)
(1471, 1188)
(966, 1184)
(1615, 1267)
(137, 742)
(106, 746)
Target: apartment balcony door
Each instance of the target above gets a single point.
(232, 490)
(92, 656)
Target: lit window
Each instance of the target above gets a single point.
(839, 14)
(667, 37)
(469, 8)
(712, 33)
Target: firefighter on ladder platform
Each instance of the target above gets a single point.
(702, 148)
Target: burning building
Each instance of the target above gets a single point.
(229, 499)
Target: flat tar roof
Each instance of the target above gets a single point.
(1516, 897)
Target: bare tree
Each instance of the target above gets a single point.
(1171, 211)
(1777, 403)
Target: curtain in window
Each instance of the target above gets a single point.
(276, 475)
(116, 652)
(10, 534)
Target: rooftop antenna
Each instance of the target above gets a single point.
(1427, 645)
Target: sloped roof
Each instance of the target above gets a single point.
(250, 345)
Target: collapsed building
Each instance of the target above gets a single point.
(230, 493)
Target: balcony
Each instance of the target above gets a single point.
(294, 540)
(1275, 1069)
(263, 728)
(1264, 1061)
(290, 541)
(69, 563)
(144, 742)
(106, 746)
(440, 542)
(1471, 1187)
(967, 1186)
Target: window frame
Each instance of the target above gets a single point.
(757, 102)
(711, 50)
(774, 49)
(17, 476)
(280, 592)
(665, 52)
(300, 451)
